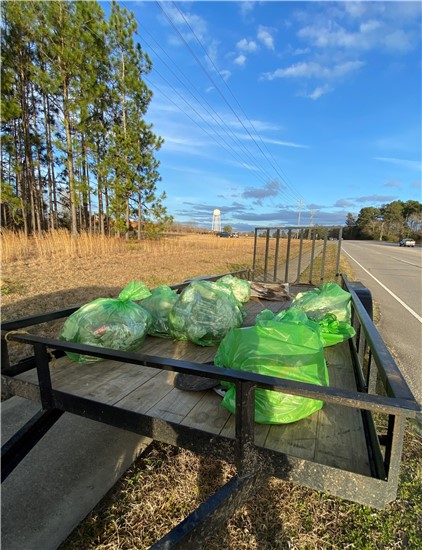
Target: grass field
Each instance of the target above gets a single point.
(165, 483)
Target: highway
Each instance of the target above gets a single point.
(394, 276)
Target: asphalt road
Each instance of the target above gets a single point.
(394, 276)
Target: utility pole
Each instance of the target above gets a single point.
(300, 204)
(310, 223)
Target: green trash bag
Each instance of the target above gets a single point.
(290, 315)
(333, 331)
(240, 287)
(330, 298)
(204, 313)
(330, 330)
(287, 350)
(116, 323)
(159, 305)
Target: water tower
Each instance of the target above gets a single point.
(216, 221)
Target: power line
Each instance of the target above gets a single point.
(251, 159)
(221, 125)
(284, 178)
(230, 149)
(198, 61)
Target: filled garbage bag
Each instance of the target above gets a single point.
(330, 298)
(159, 305)
(116, 323)
(204, 313)
(287, 350)
(240, 287)
(331, 330)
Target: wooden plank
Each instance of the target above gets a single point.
(76, 377)
(57, 370)
(208, 414)
(145, 396)
(178, 349)
(121, 381)
(341, 438)
(296, 439)
(176, 405)
(65, 368)
(260, 431)
(105, 381)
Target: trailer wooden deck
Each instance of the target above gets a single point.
(333, 436)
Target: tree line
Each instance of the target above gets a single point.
(390, 222)
(76, 150)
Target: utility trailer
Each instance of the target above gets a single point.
(351, 448)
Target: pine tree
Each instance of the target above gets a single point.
(73, 108)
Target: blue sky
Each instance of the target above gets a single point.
(268, 108)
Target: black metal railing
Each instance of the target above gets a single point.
(377, 374)
(290, 254)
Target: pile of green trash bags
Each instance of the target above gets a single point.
(116, 323)
(205, 312)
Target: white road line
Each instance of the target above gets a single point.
(418, 317)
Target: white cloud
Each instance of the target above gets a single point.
(398, 41)
(410, 164)
(247, 46)
(393, 11)
(369, 26)
(284, 143)
(225, 74)
(319, 92)
(212, 51)
(301, 51)
(183, 20)
(247, 137)
(355, 9)
(246, 8)
(312, 69)
(369, 35)
(264, 35)
(240, 60)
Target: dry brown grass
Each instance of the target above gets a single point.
(62, 272)
(55, 271)
(165, 483)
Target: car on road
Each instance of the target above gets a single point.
(407, 242)
(224, 234)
